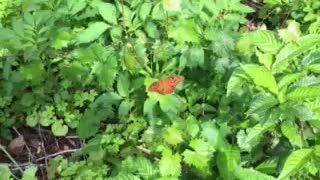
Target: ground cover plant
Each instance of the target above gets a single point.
(165, 89)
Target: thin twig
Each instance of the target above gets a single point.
(11, 158)
(57, 154)
(42, 146)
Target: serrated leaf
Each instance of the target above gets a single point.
(302, 93)
(184, 30)
(244, 173)
(33, 72)
(311, 58)
(262, 102)
(211, 133)
(173, 136)
(145, 168)
(196, 159)
(290, 130)
(265, 41)
(289, 78)
(108, 11)
(257, 131)
(269, 166)
(265, 58)
(294, 162)
(261, 76)
(290, 51)
(235, 83)
(170, 163)
(93, 32)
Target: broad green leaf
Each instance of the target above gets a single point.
(106, 73)
(265, 41)
(4, 172)
(295, 161)
(124, 108)
(262, 102)
(289, 78)
(291, 131)
(93, 32)
(211, 133)
(108, 11)
(261, 76)
(123, 85)
(158, 13)
(196, 57)
(265, 58)
(192, 126)
(59, 129)
(301, 93)
(170, 163)
(257, 131)
(244, 173)
(235, 83)
(184, 30)
(290, 51)
(30, 173)
(226, 162)
(269, 166)
(312, 58)
(145, 10)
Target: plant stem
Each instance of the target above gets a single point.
(11, 158)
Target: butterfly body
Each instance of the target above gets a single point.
(166, 85)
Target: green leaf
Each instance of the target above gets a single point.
(30, 173)
(290, 51)
(93, 32)
(196, 57)
(302, 93)
(145, 168)
(226, 162)
(33, 72)
(123, 85)
(294, 162)
(184, 30)
(59, 129)
(108, 11)
(269, 166)
(145, 10)
(171, 5)
(173, 136)
(265, 41)
(4, 172)
(124, 108)
(196, 159)
(261, 103)
(170, 163)
(235, 82)
(291, 131)
(289, 78)
(265, 58)
(106, 73)
(257, 131)
(214, 135)
(244, 173)
(261, 76)
(192, 126)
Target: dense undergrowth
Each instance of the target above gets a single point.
(249, 105)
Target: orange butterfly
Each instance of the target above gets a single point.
(166, 85)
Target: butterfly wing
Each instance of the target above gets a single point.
(166, 86)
